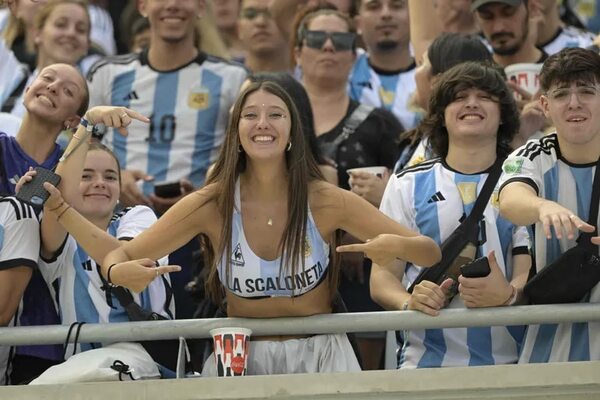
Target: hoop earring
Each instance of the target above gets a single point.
(289, 146)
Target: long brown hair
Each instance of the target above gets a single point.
(301, 168)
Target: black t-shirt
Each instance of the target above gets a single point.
(375, 142)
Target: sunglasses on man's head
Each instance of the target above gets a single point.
(253, 12)
(342, 41)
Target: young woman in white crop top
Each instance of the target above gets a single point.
(281, 202)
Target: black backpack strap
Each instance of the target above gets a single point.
(470, 225)
(10, 101)
(485, 194)
(466, 232)
(358, 116)
(584, 238)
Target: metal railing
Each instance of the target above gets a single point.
(324, 323)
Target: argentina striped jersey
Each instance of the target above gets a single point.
(188, 108)
(539, 164)
(429, 198)
(19, 246)
(82, 289)
(390, 91)
(568, 36)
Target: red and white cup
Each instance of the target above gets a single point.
(525, 75)
(231, 347)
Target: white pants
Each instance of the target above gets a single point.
(320, 353)
(95, 366)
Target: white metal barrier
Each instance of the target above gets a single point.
(324, 323)
(561, 381)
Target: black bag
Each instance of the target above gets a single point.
(460, 247)
(567, 280)
(163, 352)
(575, 273)
(329, 149)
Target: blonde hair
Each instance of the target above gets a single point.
(44, 13)
(15, 27)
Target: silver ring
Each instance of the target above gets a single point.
(572, 216)
(124, 115)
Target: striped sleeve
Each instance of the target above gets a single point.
(19, 234)
(525, 164)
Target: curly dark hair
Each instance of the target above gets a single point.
(488, 77)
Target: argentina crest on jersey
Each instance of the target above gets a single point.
(198, 97)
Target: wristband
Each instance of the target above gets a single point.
(108, 280)
(97, 130)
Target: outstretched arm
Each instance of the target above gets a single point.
(520, 204)
(362, 220)
(425, 26)
(190, 216)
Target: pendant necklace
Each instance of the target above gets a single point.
(270, 221)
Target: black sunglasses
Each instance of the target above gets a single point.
(342, 41)
(253, 12)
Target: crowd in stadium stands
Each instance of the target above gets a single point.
(285, 158)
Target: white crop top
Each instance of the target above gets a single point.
(252, 277)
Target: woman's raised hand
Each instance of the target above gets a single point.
(114, 117)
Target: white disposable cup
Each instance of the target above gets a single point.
(525, 75)
(231, 347)
(377, 171)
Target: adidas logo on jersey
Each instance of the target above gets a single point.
(237, 258)
(132, 96)
(436, 197)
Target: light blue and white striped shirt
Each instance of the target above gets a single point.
(539, 164)
(188, 108)
(431, 198)
(390, 91)
(82, 294)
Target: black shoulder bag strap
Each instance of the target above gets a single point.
(584, 238)
(466, 232)
(358, 116)
(163, 352)
(9, 103)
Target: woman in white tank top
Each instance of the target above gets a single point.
(285, 211)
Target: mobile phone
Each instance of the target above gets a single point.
(479, 268)
(167, 189)
(33, 192)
